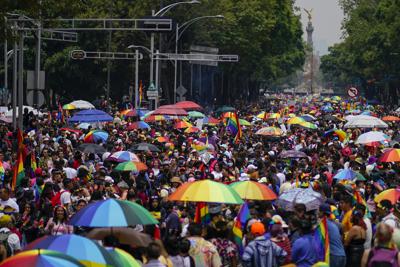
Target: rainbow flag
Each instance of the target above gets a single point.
(33, 164)
(38, 192)
(2, 171)
(19, 171)
(359, 199)
(321, 236)
(140, 93)
(202, 215)
(240, 222)
(233, 125)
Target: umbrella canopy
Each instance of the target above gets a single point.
(82, 104)
(340, 134)
(390, 155)
(392, 194)
(145, 147)
(206, 191)
(182, 124)
(138, 125)
(274, 116)
(90, 115)
(288, 199)
(225, 109)
(270, 131)
(125, 235)
(308, 117)
(171, 111)
(364, 121)
(162, 139)
(327, 108)
(295, 120)
(96, 136)
(391, 118)
(79, 247)
(122, 257)
(307, 125)
(196, 114)
(329, 117)
(292, 154)
(253, 191)
(244, 122)
(188, 105)
(192, 129)
(129, 113)
(75, 131)
(345, 174)
(84, 125)
(131, 166)
(112, 213)
(122, 156)
(262, 115)
(41, 258)
(210, 121)
(372, 136)
(68, 107)
(153, 118)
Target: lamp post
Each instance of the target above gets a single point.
(179, 30)
(161, 13)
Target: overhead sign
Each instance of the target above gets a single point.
(199, 58)
(152, 93)
(196, 49)
(78, 54)
(352, 92)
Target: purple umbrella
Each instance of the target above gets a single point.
(292, 154)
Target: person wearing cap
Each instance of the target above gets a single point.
(337, 255)
(262, 252)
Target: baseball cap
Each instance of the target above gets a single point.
(257, 228)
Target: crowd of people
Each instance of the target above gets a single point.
(64, 180)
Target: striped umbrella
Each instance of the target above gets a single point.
(274, 116)
(122, 257)
(131, 166)
(244, 122)
(81, 248)
(206, 191)
(192, 130)
(262, 115)
(295, 120)
(340, 133)
(129, 113)
(392, 194)
(138, 125)
(345, 174)
(250, 190)
(96, 136)
(41, 258)
(112, 213)
(68, 107)
(210, 121)
(182, 124)
(390, 155)
(307, 125)
(270, 131)
(122, 156)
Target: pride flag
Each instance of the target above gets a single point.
(240, 222)
(359, 199)
(19, 171)
(202, 215)
(140, 93)
(234, 126)
(2, 171)
(321, 236)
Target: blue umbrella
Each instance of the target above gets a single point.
(90, 115)
(112, 213)
(345, 174)
(327, 108)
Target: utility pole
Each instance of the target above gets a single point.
(137, 79)
(15, 85)
(21, 81)
(5, 57)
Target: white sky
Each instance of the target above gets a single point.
(327, 18)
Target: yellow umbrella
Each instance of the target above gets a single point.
(253, 190)
(262, 115)
(295, 120)
(206, 191)
(274, 116)
(244, 122)
(68, 107)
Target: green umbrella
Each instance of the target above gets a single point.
(360, 177)
(131, 166)
(244, 122)
(224, 109)
(196, 114)
(123, 257)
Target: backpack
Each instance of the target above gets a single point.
(382, 257)
(56, 199)
(4, 241)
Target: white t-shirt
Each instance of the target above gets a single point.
(65, 198)
(11, 203)
(13, 240)
(368, 233)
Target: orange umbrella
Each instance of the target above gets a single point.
(392, 195)
(182, 124)
(390, 155)
(391, 118)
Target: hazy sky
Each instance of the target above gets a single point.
(327, 17)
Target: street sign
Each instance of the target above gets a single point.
(181, 91)
(151, 93)
(352, 92)
(78, 54)
(30, 98)
(200, 58)
(30, 80)
(196, 49)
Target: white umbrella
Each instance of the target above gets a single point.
(372, 136)
(82, 104)
(365, 121)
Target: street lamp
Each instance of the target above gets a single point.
(164, 10)
(140, 46)
(178, 33)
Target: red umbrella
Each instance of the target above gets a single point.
(188, 105)
(170, 111)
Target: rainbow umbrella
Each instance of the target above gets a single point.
(153, 118)
(244, 122)
(250, 190)
(131, 166)
(182, 124)
(390, 155)
(308, 125)
(96, 136)
(391, 118)
(340, 133)
(129, 113)
(68, 107)
(138, 125)
(291, 115)
(262, 115)
(210, 121)
(122, 156)
(392, 194)
(112, 213)
(270, 131)
(41, 258)
(274, 116)
(122, 257)
(192, 129)
(81, 248)
(206, 191)
(295, 120)
(162, 139)
(345, 174)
